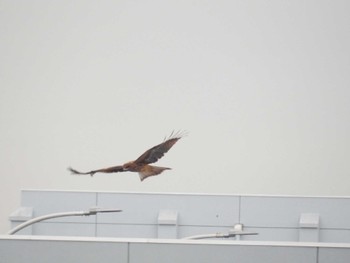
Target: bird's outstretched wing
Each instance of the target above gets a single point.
(113, 169)
(155, 153)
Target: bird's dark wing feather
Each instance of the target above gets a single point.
(155, 153)
(113, 169)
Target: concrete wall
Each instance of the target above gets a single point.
(39, 249)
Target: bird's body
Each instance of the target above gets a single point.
(142, 164)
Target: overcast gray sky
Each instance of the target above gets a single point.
(262, 87)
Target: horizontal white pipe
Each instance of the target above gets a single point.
(220, 235)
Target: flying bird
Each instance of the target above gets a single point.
(142, 164)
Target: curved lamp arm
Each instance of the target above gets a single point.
(91, 211)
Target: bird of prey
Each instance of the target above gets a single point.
(142, 164)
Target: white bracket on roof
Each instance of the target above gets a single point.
(309, 226)
(167, 224)
(21, 215)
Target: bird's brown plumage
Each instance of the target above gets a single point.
(141, 164)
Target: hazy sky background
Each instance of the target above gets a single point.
(262, 87)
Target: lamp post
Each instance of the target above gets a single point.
(91, 211)
(236, 232)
